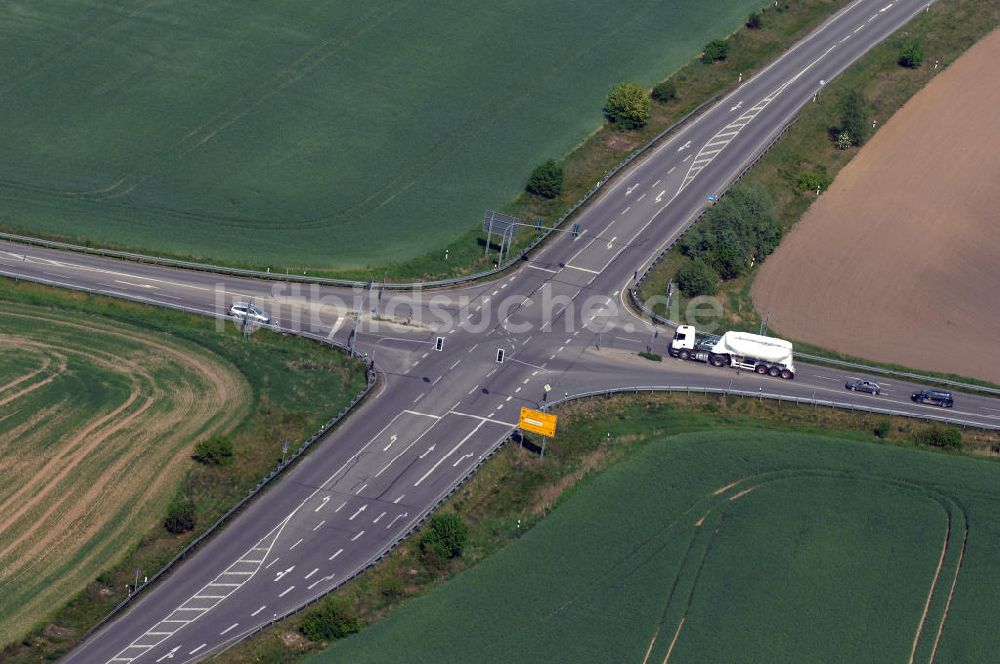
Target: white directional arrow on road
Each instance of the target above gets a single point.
(397, 518)
(429, 450)
(392, 439)
(460, 460)
(629, 190)
(685, 146)
(360, 510)
(279, 575)
(659, 196)
(326, 499)
(738, 105)
(169, 655)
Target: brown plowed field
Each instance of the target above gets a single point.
(900, 260)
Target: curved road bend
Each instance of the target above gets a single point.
(559, 319)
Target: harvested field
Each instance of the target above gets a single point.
(97, 419)
(897, 262)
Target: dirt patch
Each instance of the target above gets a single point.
(897, 262)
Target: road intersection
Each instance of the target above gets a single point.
(561, 320)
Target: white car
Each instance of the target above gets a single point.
(244, 311)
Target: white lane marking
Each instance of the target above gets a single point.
(360, 510)
(461, 459)
(450, 452)
(336, 326)
(642, 197)
(229, 629)
(502, 286)
(525, 381)
(500, 407)
(509, 397)
(355, 538)
(319, 525)
(310, 574)
(341, 507)
(198, 648)
(436, 381)
(473, 389)
(518, 390)
(339, 551)
(672, 169)
(326, 499)
(543, 269)
(837, 380)
(425, 355)
(280, 575)
(397, 518)
(583, 269)
(886, 8)
(474, 348)
(363, 487)
(262, 607)
(285, 592)
(129, 283)
(418, 398)
(625, 211)
(584, 232)
(654, 184)
(686, 158)
(401, 496)
(272, 562)
(379, 517)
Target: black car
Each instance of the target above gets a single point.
(869, 386)
(936, 397)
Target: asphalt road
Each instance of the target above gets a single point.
(560, 320)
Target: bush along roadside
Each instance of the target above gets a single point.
(804, 162)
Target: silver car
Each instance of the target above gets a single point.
(245, 311)
(869, 386)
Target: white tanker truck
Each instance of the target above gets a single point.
(764, 355)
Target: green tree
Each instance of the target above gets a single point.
(853, 107)
(753, 21)
(444, 538)
(665, 91)
(334, 618)
(911, 53)
(180, 517)
(698, 278)
(216, 451)
(717, 49)
(546, 180)
(628, 106)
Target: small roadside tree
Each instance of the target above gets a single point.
(445, 538)
(665, 91)
(334, 618)
(180, 517)
(628, 106)
(546, 180)
(215, 451)
(911, 53)
(717, 49)
(753, 21)
(852, 116)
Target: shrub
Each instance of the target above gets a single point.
(939, 435)
(883, 428)
(753, 21)
(216, 451)
(911, 53)
(665, 91)
(698, 278)
(717, 49)
(628, 106)
(445, 537)
(852, 113)
(546, 180)
(392, 589)
(333, 619)
(653, 357)
(180, 517)
(812, 180)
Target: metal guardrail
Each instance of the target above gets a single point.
(809, 401)
(257, 274)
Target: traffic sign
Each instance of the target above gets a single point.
(536, 421)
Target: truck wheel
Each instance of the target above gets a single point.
(718, 361)
(786, 374)
(761, 369)
(684, 355)
(774, 372)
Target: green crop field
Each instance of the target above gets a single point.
(731, 546)
(322, 134)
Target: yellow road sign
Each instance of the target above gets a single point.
(538, 422)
